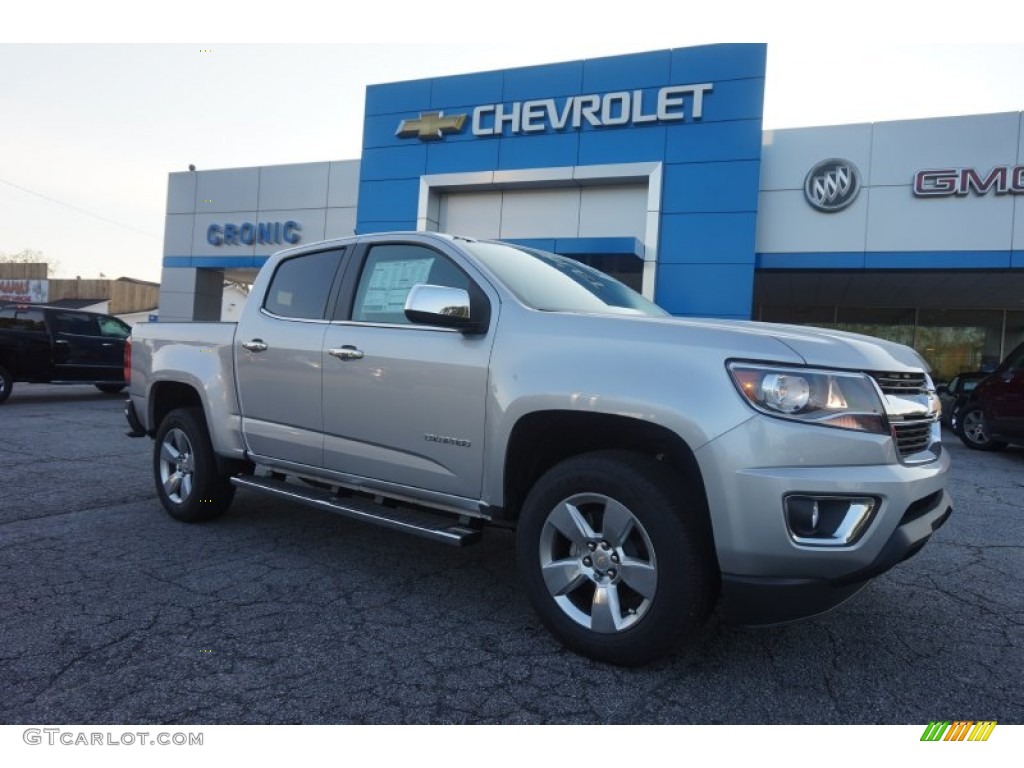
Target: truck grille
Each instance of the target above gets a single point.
(912, 436)
(901, 383)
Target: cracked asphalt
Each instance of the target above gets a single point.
(111, 612)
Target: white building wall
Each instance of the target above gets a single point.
(886, 216)
(322, 197)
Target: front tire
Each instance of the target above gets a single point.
(6, 383)
(616, 556)
(971, 428)
(188, 481)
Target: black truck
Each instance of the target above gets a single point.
(51, 345)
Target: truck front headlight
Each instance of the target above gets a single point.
(830, 398)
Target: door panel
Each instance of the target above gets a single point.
(1005, 393)
(411, 410)
(27, 341)
(78, 351)
(278, 360)
(403, 403)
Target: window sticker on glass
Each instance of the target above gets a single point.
(391, 282)
(284, 298)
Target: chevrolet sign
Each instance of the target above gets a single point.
(596, 110)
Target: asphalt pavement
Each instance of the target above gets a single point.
(112, 612)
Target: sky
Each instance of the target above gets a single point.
(91, 124)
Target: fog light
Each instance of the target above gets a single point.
(828, 521)
(803, 515)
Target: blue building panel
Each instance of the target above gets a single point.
(711, 164)
(381, 131)
(540, 243)
(718, 62)
(481, 88)
(622, 145)
(835, 260)
(938, 259)
(460, 157)
(388, 200)
(228, 262)
(714, 290)
(543, 82)
(405, 162)
(711, 187)
(214, 262)
(623, 73)
(703, 142)
(394, 98)
(734, 100)
(552, 150)
(696, 238)
(583, 246)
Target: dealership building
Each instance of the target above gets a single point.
(654, 167)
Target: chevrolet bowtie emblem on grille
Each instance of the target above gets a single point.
(430, 126)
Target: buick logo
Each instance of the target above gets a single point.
(832, 185)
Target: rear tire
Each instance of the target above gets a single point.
(971, 428)
(188, 480)
(6, 383)
(616, 556)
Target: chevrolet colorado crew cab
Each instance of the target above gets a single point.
(651, 466)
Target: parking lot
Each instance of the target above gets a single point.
(111, 612)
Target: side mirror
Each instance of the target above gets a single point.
(440, 305)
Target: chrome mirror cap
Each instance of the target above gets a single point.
(438, 305)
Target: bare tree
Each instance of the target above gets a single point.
(29, 256)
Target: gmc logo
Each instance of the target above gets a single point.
(946, 182)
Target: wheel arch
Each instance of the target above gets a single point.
(542, 439)
(166, 396)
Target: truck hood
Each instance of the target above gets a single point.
(816, 346)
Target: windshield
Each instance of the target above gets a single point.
(555, 283)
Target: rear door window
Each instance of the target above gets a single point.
(301, 286)
(77, 324)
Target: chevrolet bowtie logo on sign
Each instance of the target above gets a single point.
(430, 126)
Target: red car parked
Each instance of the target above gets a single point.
(993, 416)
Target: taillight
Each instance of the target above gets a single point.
(127, 361)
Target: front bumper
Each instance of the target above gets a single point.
(764, 600)
(770, 577)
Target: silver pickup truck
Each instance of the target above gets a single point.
(650, 465)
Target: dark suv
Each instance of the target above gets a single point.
(993, 416)
(54, 345)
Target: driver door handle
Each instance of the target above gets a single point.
(347, 352)
(256, 345)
